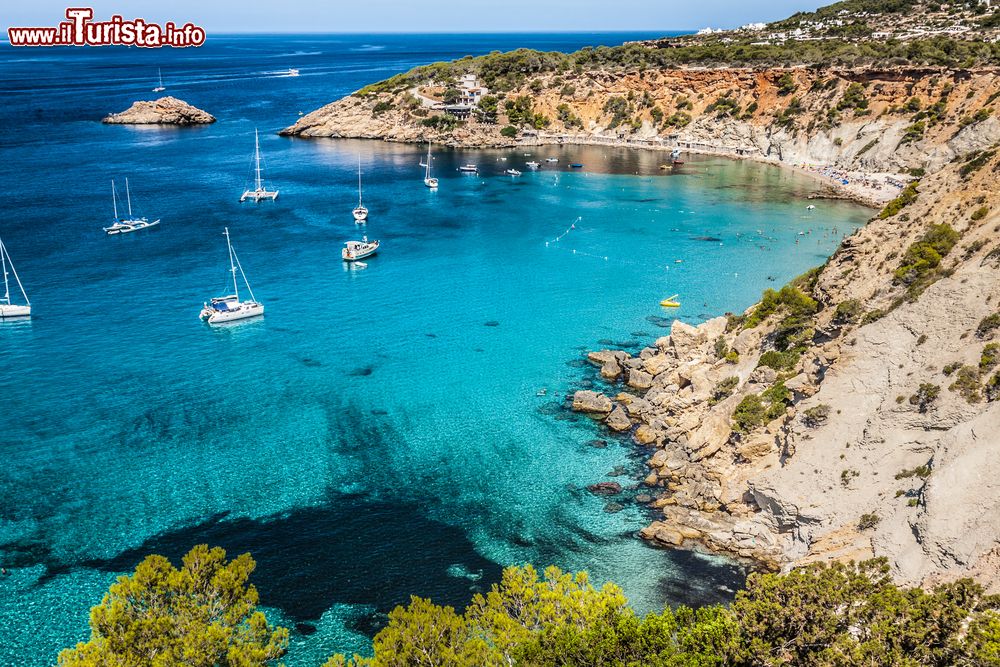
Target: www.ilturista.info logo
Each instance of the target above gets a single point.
(80, 30)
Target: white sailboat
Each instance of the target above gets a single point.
(360, 212)
(7, 307)
(228, 308)
(159, 88)
(429, 180)
(259, 192)
(355, 250)
(131, 223)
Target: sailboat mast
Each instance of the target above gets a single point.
(159, 73)
(232, 265)
(114, 199)
(256, 152)
(6, 262)
(427, 173)
(128, 196)
(359, 181)
(6, 287)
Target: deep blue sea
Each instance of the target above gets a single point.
(393, 430)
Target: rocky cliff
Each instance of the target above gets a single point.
(164, 111)
(852, 414)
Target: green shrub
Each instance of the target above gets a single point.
(723, 106)
(967, 384)
(872, 316)
(926, 394)
(923, 472)
(905, 198)
(990, 356)
(749, 414)
(679, 119)
(951, 368)
(980, 212)
(868, 521)
(816, 415)
(975, 161)
(913, 132)
(721, 347)
(924, 256)
(992, 388)
(568, 90)
(789, 298)
(988, 325)
(381, 107)
(732, 356)
(442, 122)
(508, 131)
(854, 98)
(724, 390)
(847, 475)
(847, 312)
(779, 361)
(786, 84)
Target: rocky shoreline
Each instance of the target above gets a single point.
(164, 111)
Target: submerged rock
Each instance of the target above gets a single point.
(164, 111)
(605, 488)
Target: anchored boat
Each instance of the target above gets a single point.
(260, 191)
(360, 212)
(229, 308)
(429, 181)
(159, 88)
(9, 309)
(355, 250)
(131, 223)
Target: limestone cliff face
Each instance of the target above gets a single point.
(875, 120)
(164, 111)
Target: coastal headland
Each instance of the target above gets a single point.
(850, 414)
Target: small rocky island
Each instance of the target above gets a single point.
(164, 111)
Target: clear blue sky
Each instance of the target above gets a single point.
(422, 15)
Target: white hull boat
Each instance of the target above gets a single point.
(260, 192)
(469, 169)
(129, 224)
(360, 211)
(531, 165)
(9, 309)
(159, 88)
(230, 308)
(429, 180)
(552, 159)
(355, 250)
(513, 172)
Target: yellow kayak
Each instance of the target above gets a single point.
(670, 302)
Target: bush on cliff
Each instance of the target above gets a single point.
(905, 198)
(922, 259)
(841, 614)
(202, 615)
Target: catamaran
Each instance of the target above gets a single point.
(159, 88)
(259, 192)
(355, 250)
(131, 223)
(360, 212)
(7, 307)
(429, 180)
(228, 308)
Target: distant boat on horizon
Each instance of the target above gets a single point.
(159, 88)
(290, 72)
(229, 308)
(9, 309)
(259, 192)
(360, 211)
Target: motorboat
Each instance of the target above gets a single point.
(513, 172)
(355, 250)
(469, 169)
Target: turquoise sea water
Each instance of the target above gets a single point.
(393, 430)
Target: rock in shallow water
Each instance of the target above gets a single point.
(591, 401)
(605, 488)
(164, 111)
